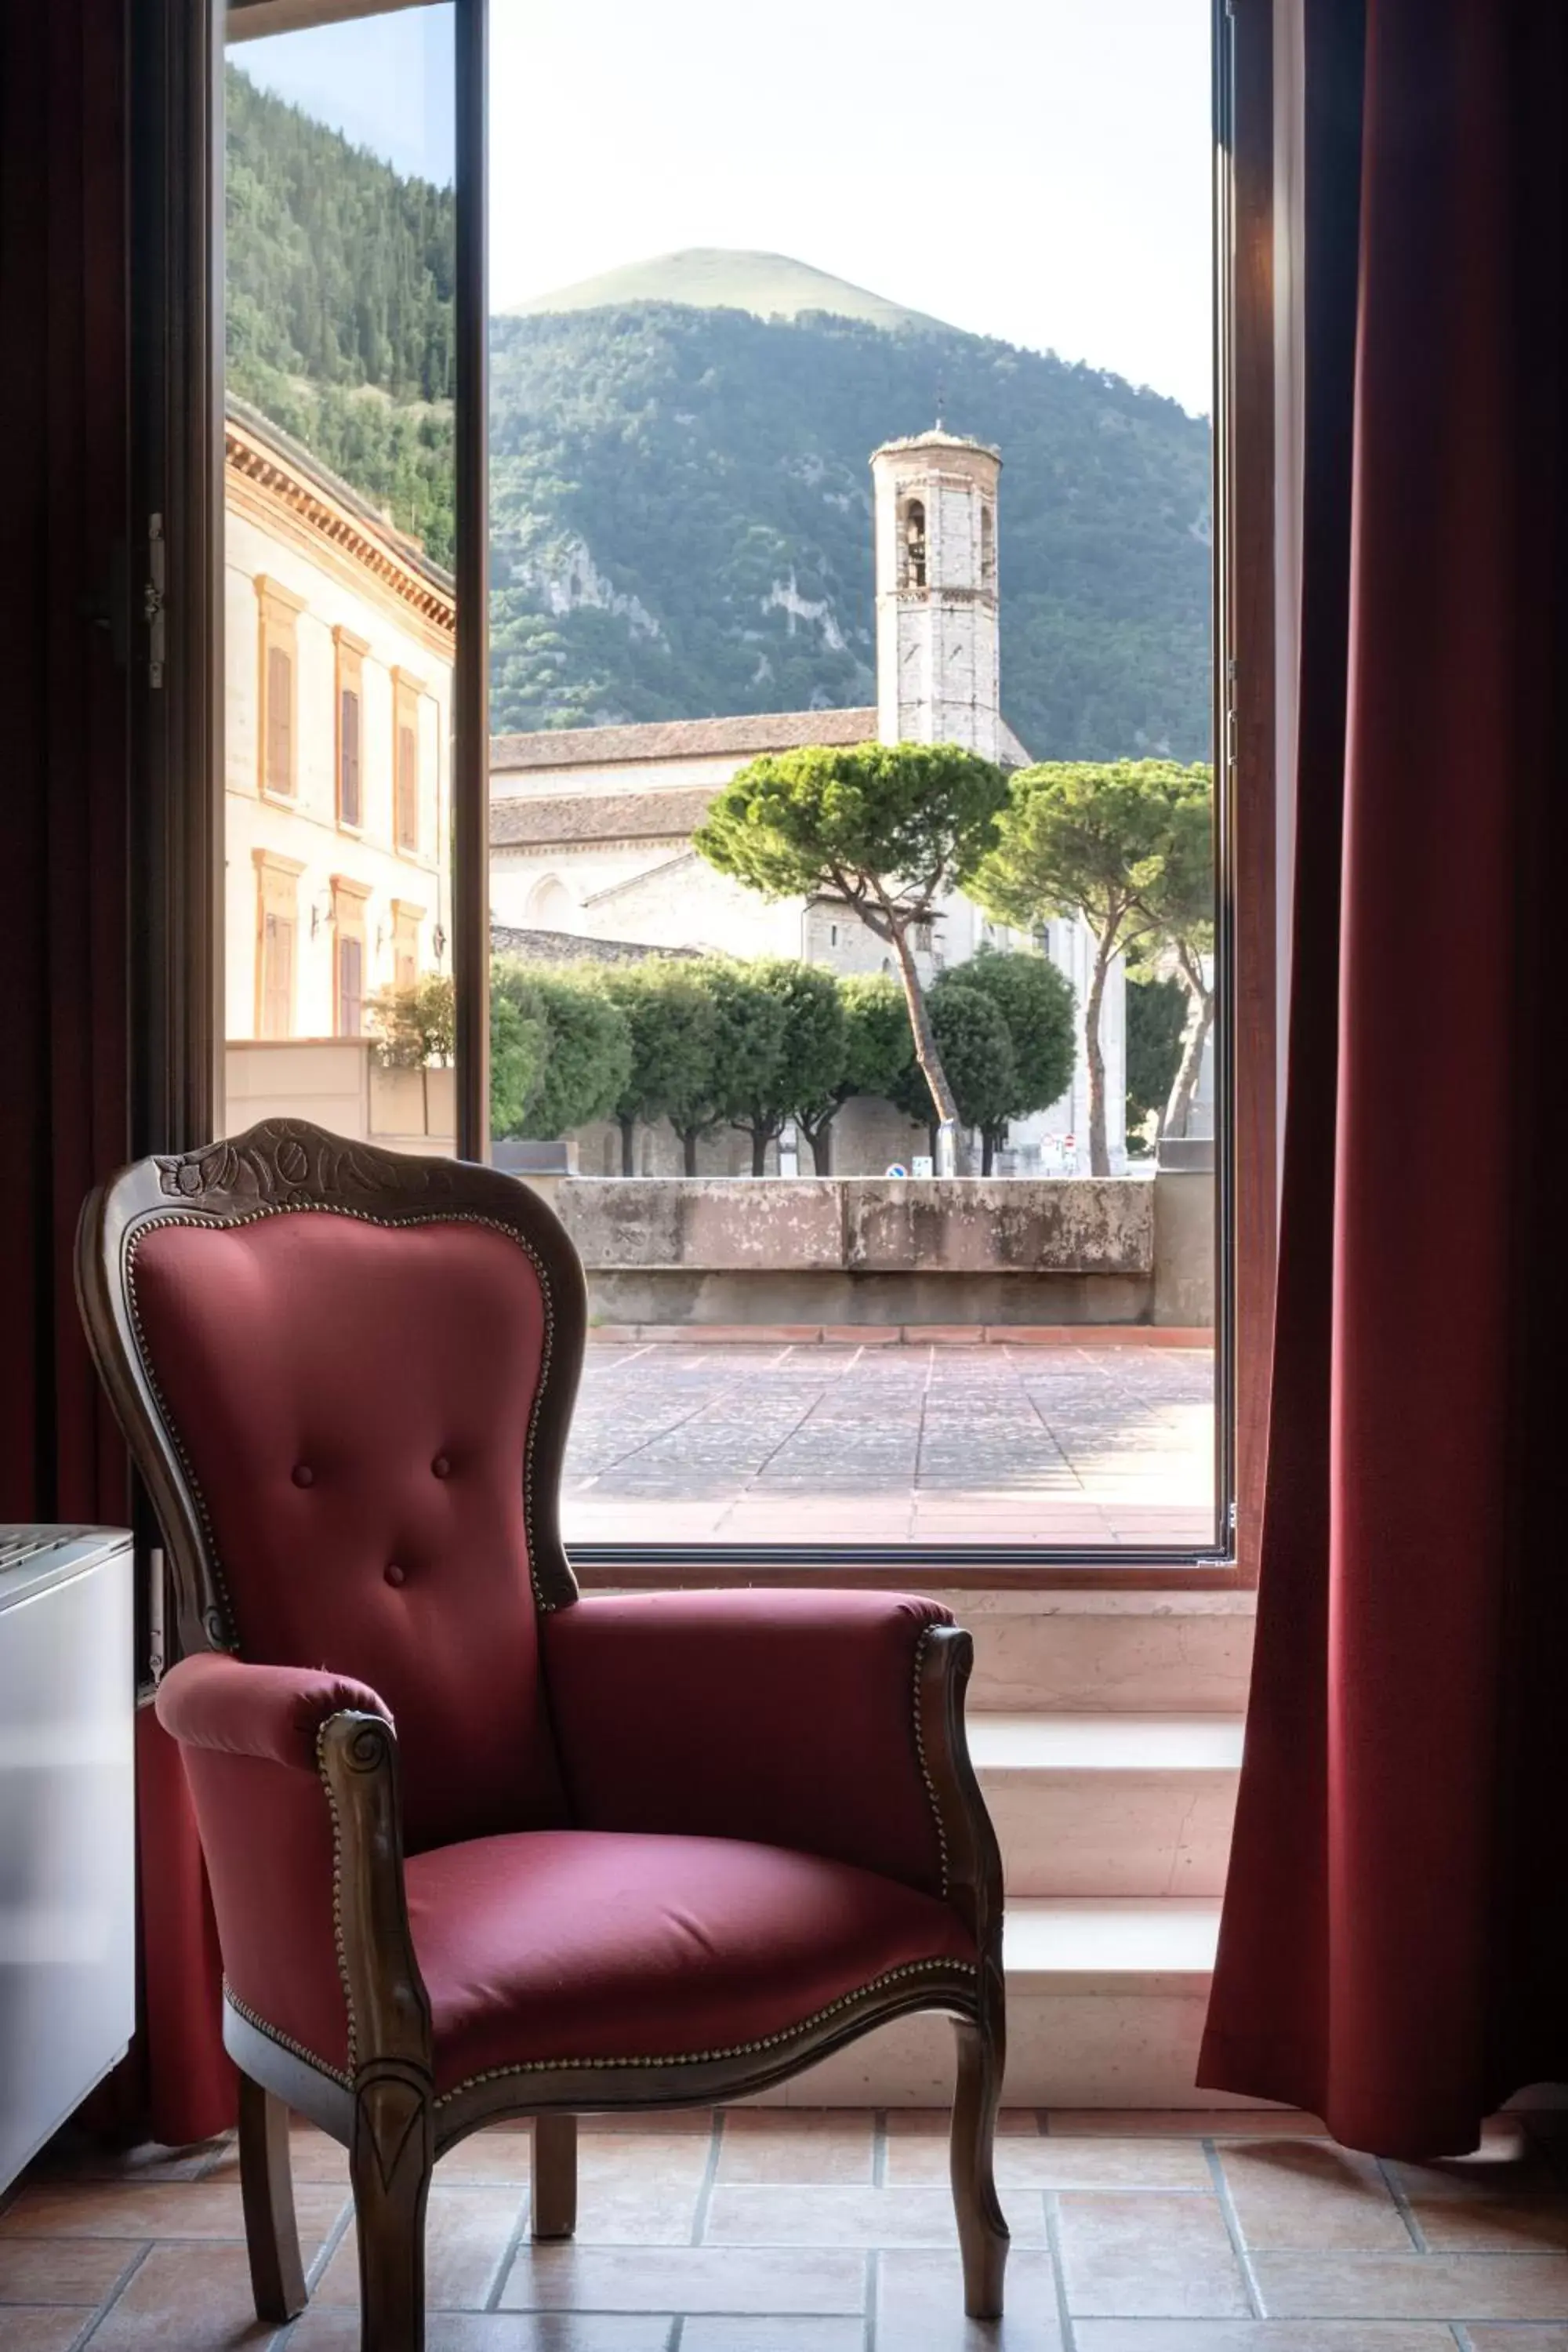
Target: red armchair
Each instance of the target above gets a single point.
(478, 1847)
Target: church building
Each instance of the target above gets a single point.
(591, 828)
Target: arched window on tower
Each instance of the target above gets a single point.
(912, 543)
(988, 547)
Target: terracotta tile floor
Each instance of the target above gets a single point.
(800, 2231)
(920, 1443)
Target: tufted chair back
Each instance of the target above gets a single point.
(355, 1372)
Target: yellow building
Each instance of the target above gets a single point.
(339, 639)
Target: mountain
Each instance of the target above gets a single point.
(681, 503)
(712, 277)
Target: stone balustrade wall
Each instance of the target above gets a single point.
(875, 1250)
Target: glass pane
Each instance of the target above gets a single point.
(851, 830)
(340, 612)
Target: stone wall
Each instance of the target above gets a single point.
(339, 1082)
(878, 1252)
(727, 1248)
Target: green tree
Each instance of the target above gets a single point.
(877, 1052)
(588, 1047)
(889, 829)
(415, 1025)
(878, 1046)
(809, 1065)
(1090, 839)
(1036, 1003)
(520, 1047)
(1156, 1017)
(1179, 901)
(671, 1019)
(415, 1028)
(339, 277)
(977, 1052)
(748, 1045)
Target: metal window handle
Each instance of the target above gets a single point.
(153, 600)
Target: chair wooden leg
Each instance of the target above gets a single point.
(982, 2232)
(390, 2164)
(266, 2192)
(554, 2203)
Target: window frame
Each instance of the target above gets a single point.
(179, 414)
(1245, 658)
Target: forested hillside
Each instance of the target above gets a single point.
(681, 524)
(680, 495)
(339, 274)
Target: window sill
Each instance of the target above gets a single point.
(1140, 1587)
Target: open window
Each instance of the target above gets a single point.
(351, 414)
(779, 541)
(817, 1357)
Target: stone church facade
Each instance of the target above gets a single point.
(591, 828)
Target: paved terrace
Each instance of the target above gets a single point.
(890, 1438)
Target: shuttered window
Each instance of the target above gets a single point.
(279, 770)
(276, 976)
(351, 986)
(405, 922)
(277, 941)
(405, 779)
(407, 789)
(278, 689)
(349, 806)
(350, 652)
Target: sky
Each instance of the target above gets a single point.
(1036, 169)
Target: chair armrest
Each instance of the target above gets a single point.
(795, 1718)
(271, 1713)
(293, 1776)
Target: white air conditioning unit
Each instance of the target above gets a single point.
(68, 1824)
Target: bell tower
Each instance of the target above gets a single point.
(938, 668)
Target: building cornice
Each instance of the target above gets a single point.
(272, 485)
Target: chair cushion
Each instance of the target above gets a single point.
(562, 1945)
(354, 1402)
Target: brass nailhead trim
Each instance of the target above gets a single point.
(338, 1943)
(925, 1770)
(708, 2057)
(284, 2040)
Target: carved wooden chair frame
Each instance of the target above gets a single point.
(388, 2117)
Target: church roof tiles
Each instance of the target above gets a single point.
(679, 739)
(674, 816)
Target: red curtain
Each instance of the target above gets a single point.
(66, 842)
(1394, 1946)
